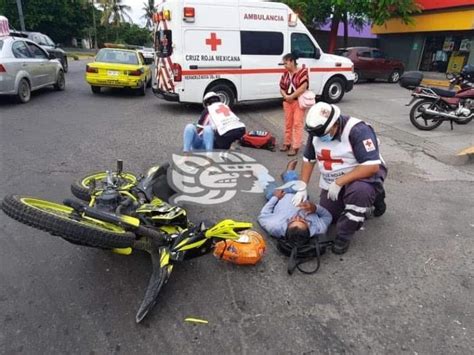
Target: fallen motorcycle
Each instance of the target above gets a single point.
(121, 211)
(434, 106)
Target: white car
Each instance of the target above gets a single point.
(25, 67)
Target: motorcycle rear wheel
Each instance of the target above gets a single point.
(416, 116)
(60, 220)
(80, 187)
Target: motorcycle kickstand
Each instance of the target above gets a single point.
(158, 278)
(451, 121)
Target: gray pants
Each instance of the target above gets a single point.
(350, 209)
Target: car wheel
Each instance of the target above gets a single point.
(65, 64)
(95, 89)
(24, 91)
(148, 83)
(225, 93)
(356, 76)
(394, 76)
(60, 82)
(334, 90)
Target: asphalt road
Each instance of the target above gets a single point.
(405, 286)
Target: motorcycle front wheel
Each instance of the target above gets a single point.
(421, 120)
(464, 120)
(60, 220)
(80, 187)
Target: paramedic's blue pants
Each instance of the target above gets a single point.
(193, 141)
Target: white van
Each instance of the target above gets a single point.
(233, 47)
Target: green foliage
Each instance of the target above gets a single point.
(60, 19)
(359, 11)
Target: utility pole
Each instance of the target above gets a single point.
(94, 24)
(20, 12)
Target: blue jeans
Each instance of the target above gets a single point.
(287, 176)
(193, 141)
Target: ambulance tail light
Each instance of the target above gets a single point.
(188, 14)
(177, 72)
(292, 20)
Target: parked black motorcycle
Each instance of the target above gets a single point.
(434, 106)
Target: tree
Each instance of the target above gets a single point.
(149, 9)
(60, 19)
(358, 12)
(114, 12)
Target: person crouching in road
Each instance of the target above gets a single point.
(352, 170)
(280, 217)
(217, 128)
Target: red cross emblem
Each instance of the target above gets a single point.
(224, 110)
(213, 42)
(368, 143)
(327, 160)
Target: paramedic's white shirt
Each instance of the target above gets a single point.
(223, 119)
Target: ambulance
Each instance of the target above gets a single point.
(234, 47)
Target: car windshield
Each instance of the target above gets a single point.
(116, 56)
(342, 52)
(48, 41)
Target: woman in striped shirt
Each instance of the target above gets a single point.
(293, 83)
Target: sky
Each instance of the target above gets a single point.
(136, 13)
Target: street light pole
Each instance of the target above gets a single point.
(20, 12)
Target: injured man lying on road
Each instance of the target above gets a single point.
(280, 217)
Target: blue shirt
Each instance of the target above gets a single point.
(276, 214)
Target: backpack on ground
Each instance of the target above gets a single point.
(259, 140)
(303, 250)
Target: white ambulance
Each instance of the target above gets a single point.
(233, 47)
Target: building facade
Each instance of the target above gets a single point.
(441, 37)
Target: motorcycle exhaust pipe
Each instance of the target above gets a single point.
(442, 114)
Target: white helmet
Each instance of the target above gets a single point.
(320, 118)
(210, 98)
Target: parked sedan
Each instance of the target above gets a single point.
(118, 68)
(46, 43)
(25, 67)
(371, 63)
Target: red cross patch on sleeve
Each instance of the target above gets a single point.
(369, 145)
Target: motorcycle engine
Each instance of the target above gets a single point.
(108, 200)
(465, 108)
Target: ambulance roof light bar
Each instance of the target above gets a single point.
(188, 14)
(292, 19)
(163, 15)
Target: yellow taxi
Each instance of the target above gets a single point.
(119, 68)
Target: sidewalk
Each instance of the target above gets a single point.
(435, 79)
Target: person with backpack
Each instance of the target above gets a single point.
(346, 151)
(293, 83)
(281, 218)
(217, 128)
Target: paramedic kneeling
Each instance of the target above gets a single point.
(217, 128)
(280, 218)
(352, 170)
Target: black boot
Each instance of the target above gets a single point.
(379, 204)
(340, 245)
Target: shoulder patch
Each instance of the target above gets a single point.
(368, 145)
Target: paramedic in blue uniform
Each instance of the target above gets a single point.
(352, 170)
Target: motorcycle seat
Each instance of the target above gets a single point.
(444, 93)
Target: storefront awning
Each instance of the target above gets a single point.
(459, 20)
